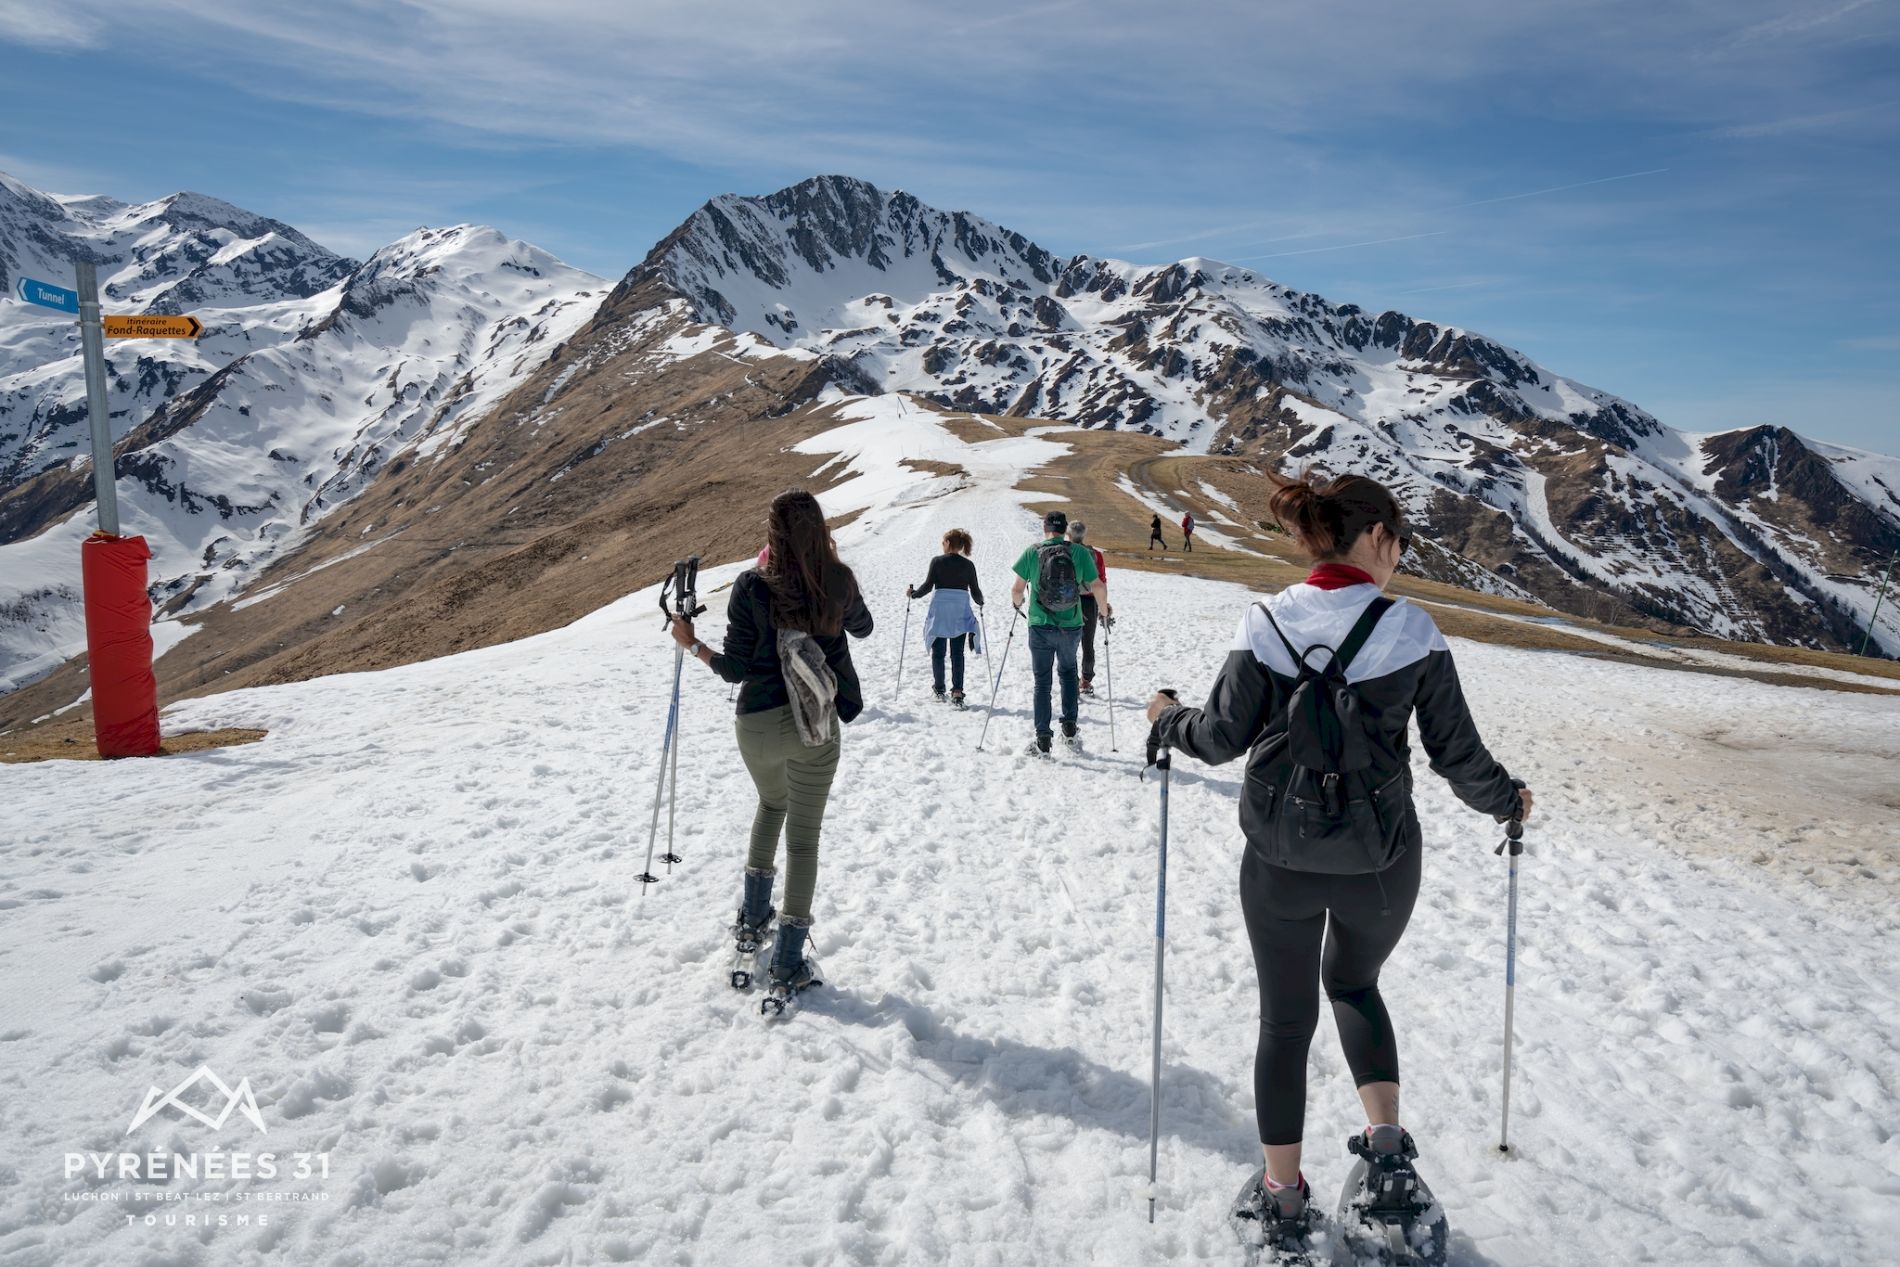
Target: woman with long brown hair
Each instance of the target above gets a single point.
(1331, 868)
(786, 623)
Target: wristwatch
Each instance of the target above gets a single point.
(695, 649)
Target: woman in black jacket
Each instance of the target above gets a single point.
(803, 586)
(1326, 903)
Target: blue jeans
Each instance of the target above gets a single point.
(1051, 648)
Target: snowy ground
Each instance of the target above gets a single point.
(409, 919)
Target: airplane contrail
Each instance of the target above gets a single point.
(1557, 189)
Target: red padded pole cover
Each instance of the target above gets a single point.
(119, 644)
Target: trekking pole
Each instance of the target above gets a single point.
(1159, 758)
(1514, 841)
(903, 646)
(1878, 599)
(687, 598)
(1108, 658)
(681, 583)
(997, 684)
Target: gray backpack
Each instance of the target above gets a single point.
(811, 686)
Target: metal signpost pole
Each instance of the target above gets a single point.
(92, 340)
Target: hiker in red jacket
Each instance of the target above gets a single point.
(1090, 613)
(1187, 531)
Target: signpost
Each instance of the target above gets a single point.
(56, 297)
(153, 327)
(118, 606)
(92, 343)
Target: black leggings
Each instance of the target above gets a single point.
(956, 661)
(1287, 919)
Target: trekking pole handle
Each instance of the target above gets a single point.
(666, 587)
(1513, 827)
(1157, 751)
(684, 584)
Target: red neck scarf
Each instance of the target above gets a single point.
(1337, 576)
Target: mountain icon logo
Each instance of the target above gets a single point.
(238, 1100)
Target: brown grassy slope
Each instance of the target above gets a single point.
(486, 546)
(48, 743)
(1118, 526)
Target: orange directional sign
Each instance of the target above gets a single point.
(153, 327)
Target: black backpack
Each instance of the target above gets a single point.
(1346, 796)
(1057, 590)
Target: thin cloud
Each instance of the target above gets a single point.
(1343, 246)
(39, 25)
(1793, 123)
(1021, 16)
(1874, 343)
(1201, 236)
(1464, 285)
(1795, 23)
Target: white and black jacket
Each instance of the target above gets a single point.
(1403, 667)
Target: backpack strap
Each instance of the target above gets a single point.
(1299, 661)
(1361, 631)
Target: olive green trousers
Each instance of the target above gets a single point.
(793, 782)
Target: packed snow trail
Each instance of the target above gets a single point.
(409, 918)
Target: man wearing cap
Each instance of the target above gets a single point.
(1092, 612)
(1055, 626)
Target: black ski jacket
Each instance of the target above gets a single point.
(951, 572)
(1404, 667)
(751, 654)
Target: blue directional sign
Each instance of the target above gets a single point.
(47, 296)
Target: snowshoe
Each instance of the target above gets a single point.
(1039, 746)
(1070, 738)
(936, 693)
(793, 971)
(956, 699)
(783, 991)
(1088, 686)
(1273, 1237)
(1387, 1216)
(747, 941)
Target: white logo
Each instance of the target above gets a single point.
(240, 1100)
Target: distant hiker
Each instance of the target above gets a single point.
(1091, 611)
(951, 620)
(1154, 535)
(1331, 868)
(785, 646)
(1055, 573)
(1187, 532)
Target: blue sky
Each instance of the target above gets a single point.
(1691, 204)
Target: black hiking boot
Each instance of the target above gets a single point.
(1392, 1185)
(1277, 1224)
(755, 916)
(1385, 1210)
(956, 699)
(936, 693)
(1040, 746)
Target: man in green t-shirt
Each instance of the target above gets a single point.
(1054, 635)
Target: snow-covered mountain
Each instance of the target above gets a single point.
(1559, 488)
(248, 440)
(248, 278)
(317, 373)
